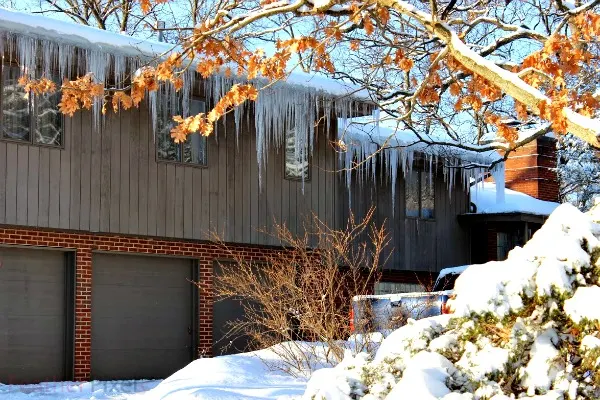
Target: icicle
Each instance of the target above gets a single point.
(498, 173)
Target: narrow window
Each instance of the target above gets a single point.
(412, 194)
(16, 106)
(427, 196)
(296, 160)
(29, 118)
(167, 107)
(48, 120)
(420, 195)
(193, 150)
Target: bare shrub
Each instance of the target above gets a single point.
(302, 293)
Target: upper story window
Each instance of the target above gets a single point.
(193, 150)
(420, 195)
(296, 165)
(28, 118)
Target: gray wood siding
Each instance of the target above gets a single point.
(110, 181)
(414, 244)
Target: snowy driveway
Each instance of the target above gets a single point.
(235, 377)
(78, 390)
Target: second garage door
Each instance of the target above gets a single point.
(142, 319)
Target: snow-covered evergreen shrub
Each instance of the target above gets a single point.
(527, 327)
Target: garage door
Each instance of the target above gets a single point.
(32, 315)
(142, 320)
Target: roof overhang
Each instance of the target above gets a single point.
(473, 218)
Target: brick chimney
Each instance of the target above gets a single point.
(531, 169)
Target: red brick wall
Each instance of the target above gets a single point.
(84, 244)
(531, 170)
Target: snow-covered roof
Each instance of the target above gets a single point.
(379, 133)
(484, 198)
(383, 130)
(70, 33)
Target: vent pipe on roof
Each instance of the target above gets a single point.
(160, 25)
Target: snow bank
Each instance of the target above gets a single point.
(254, 375)
(484, 198)
(527, 327)
(240, 376)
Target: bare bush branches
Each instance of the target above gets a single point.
(303, 291)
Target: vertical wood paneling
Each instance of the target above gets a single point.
(170, 201)
(196, 203)
(134, 178)
(11, 183)
(254, 191)
(178, 209)
(143, 172)
(22, 183)
(270, 190)
(277, 186)
(323, 187)
(55, 178)
(237, 186)
(115, 171)
(246, 201)
(3, 161)
(303, 196)
(75, 164)
(161, 200)
(213, 178)
(221, 217)
(33, 185)
(44, 187)
(95, 172)
(286, 216)
(125, 183)
(188, 202)
(86, 172)
(106, 158)
(152, 177)
(205, 201)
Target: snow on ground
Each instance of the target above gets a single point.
(78, 390)
(240, 376)
(255, 375)
(484, 197)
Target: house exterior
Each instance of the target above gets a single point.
(105, 223)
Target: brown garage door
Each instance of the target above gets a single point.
(32, 315)
(142, 320)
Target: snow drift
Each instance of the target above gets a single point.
(527, 327)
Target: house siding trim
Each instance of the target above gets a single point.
(85, 244)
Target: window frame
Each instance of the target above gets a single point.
(419, 173)
(183, 163)
(32, 118)
(284, 164)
